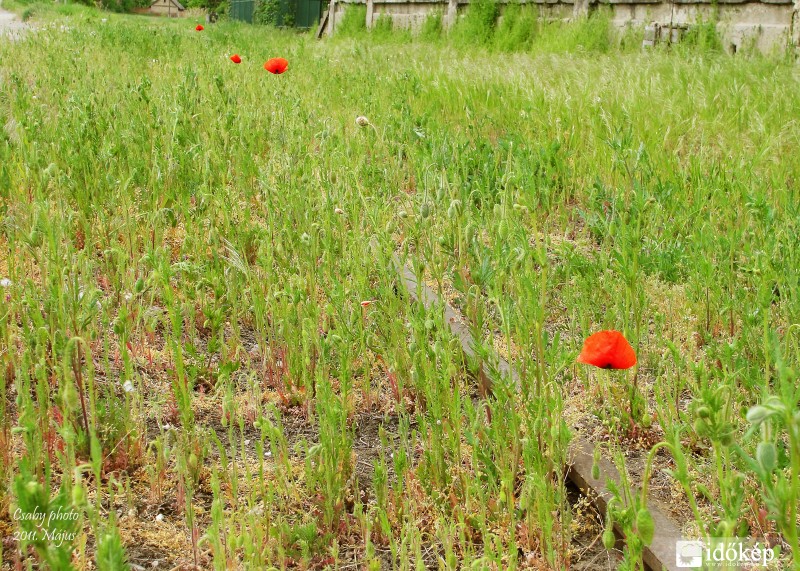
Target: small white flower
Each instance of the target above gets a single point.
(439, 422)
(128, 296)
(156, 562)
(128, 387)
(339, 211)
(5, 282)
(268, 453)
(362, 121)
(159, 519)
(247, 442)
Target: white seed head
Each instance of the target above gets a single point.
(128, 387)
(362, 121)
(339, 211)
(5, 282)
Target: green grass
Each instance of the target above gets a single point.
(198, 324)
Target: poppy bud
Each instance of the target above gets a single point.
(69, 396)
(502, 230)
(609, 540)
(767, 456)
(33, 487)
(362, 121)
(35, 238)
(757, 414)
(455, 209)
(645, 525)
(78, 495)
(425, 210)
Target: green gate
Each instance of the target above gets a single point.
(307, 13)
(243, 10)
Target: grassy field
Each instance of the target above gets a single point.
(207, 359)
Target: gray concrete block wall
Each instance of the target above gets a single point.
(767, 24)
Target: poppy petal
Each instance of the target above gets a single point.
(276, 65)
(608, 350)
(199, 28)
(236, 59)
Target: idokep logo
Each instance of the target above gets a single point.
(721, 553)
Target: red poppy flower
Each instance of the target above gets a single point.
(199, 28)
(276, 65)
(236, 59)
(608, 350)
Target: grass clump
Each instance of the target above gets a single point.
(354, 22)
(477, 25)
(431, 29)
(516, 28)
(590, 34)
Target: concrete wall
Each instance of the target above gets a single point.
(766, 24)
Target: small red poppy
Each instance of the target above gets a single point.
(199, 28)
(608, 350)
(236, 59)
(276, 65)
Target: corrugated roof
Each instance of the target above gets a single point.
(174, 2)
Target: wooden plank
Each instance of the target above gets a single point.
(323, 22)
(660, 554)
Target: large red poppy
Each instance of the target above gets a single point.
(236, 59)
(199, 28)
(276, 65)
(608, 350)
